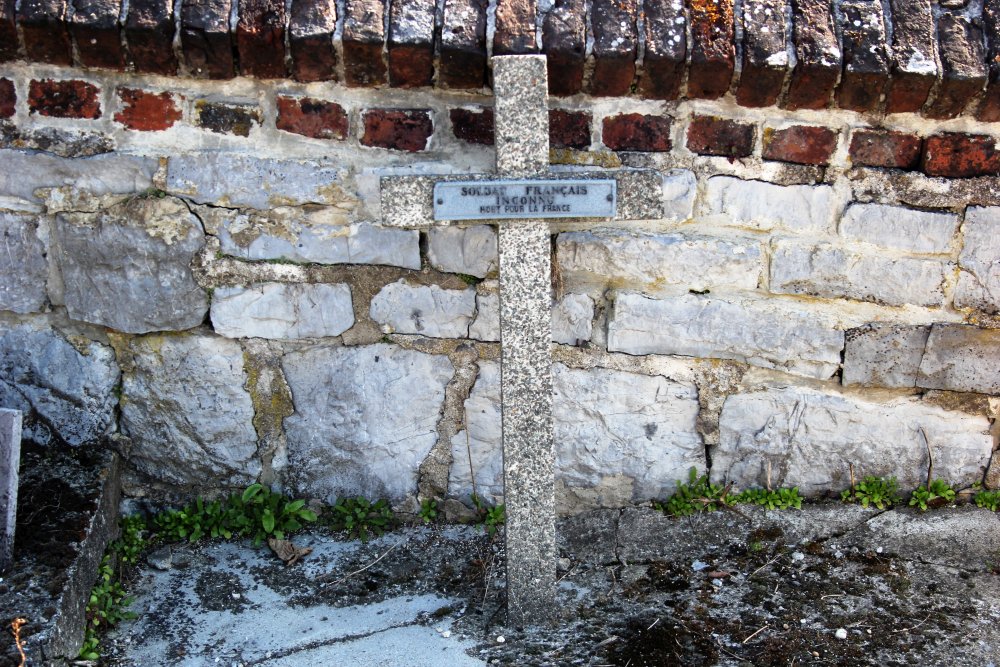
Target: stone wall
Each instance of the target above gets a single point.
(197, 270)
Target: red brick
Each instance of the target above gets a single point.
(310, 117)
(956, 155)
(474, 127)
(96, 31)
(817, 54)
(411, 43)
(963, 69)
(709, 135)
(311, 27)
(145, 111)
(8, 98)
(569, 129)
(914, 69)
(227, 118)
(463, 45)
(636, 132)
(515, 27)
(879, 148)
(205, 38)
(363, 39)
(564, 32)
(866, 62)
(616, 44)
(801, 144)
(397, 129)
(43, 25)
(666, 50)
(149, 32)
(8, 31)
(260, 38)
(765, 59)
(64, 99)
(713, 53)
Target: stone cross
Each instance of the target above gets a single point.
(522, 158)
(10, 460)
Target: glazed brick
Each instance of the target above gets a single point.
(8, 98)
(462, 62)
(43, 25)
(818, 55)
(311, 25)
(411, 43)
(637, 132)
(397, 129)
(665, 30)
(515, 27)
(64, 99)
(310, 117)
(866, 61)
(363, 39)
(205, 39)
(145, 111)
(709, 135)
(473, 126)
(765, 55)
(801, 144)
(569, 129)
(914, 69)
(879, 148)
(989, 110)
(957, 155)
(616, 45)
(227, 118)
(564, 41)
(713, 54)
(96, 31)
(260, 38)
(8, 31)
(963, 70)
(149, 33)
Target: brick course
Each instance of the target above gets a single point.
(957, 155)
(713, 54)
(463, 44)
(227, 118)
(310, 117)
(96, 31)
(397, 129)
(708, 135)
(876, 148)
(411, 43)
(801, 144)
(43, 25)
(8, 31)
(473, 126)
(205, 39)
(616, 44)
(149, 31)
(310, 37)
(146, 111)
(260, 38)
(564, 43)
(364, 36)
(636, 132)
(8, 98)
(64, 99)
(569, 129)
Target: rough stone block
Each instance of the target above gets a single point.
(311, 26)
(817, 55)
(63, 385)
(363, 41)
(800, 144)
(426, 310)
(23, 264)
(899, 227)
(226, 118)
(310, 117)
(963, 69)
(679, 190)
(149, 31)
(468, 250)
(23, 173)
(515, 27)
(474, 126)
(260, 38)
(282, 311)
(128, 267)
(43, 29)
(710, 135)
(8, 98)
(958, 155)
(64, 99)
(10, 462)
(666, 49)
(766, 206)
(486, 326)
(772, 335)
(186, 412)
(462, 61)
(620, 437)
(765, 53)
(878, 148)
(411, 43)
(826, 270)
(637, 132)
(146, 111)
(564, 42)
(914, 67)
(798, 436)
(616, 46)
(569, 129)
(979, 280)
(884, 355)
(573, 319)
(397, 129)
(365, 419)
(866, 60)
(97, 34)
(8, 30)
(713, 52)
(230, 179)
(205, 38)
(652, 262)
(961, 358)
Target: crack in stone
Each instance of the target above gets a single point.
(329, 642)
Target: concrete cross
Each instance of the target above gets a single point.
(10, 461)
(522, 159)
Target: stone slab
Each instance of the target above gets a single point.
(426, 310)
(979, 280)
(282, 311)
(884, 355)
(961, 358)
(899, 227)
(572, 319)
(765, 206)
(10, 460)
(25, 172)
(468, 250)
(24, 268)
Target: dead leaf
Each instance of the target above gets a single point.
(287, 551)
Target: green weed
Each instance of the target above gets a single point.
(360, 517)
(697, 495)
(988, 499)
(490, 517)
(429, 510)
(779, 499)
(878, 492)
(937, 493)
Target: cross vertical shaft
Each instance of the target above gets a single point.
(522, 145)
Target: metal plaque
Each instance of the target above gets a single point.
(492, 200)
